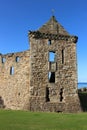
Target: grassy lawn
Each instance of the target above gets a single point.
(22, 120)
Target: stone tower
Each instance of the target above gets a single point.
(53, 69)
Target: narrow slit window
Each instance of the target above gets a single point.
(12, 70)
(3, 60)
(63, 56)
(61, 94)
(51, 77)
(52, 56)
(47, 94)
(49, 42)
(17, 59)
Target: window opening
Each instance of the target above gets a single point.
(61, 94)
(3, 60)
(17, 59)
(47, 94)
(51, 76)
(63, 56)
(12, 70)
(49, 42)
(52, 56)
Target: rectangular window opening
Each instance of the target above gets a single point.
(49, 42)
(12, 70)
(47, 94)
(17, 59)
(51, 77)
(61, 94)
(3, 60)
(52, 56)
(63, 56)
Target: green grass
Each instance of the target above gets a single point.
(24, 120)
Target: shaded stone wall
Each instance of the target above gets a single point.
(14, 80)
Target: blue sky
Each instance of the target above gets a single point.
(19, 16)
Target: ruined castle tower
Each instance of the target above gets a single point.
(53, 69)
(43, 78)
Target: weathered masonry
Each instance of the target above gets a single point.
(43, 78)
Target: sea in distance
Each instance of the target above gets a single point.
(82, 84)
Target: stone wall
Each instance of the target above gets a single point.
(14, 80)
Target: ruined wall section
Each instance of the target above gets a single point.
(14, 80)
